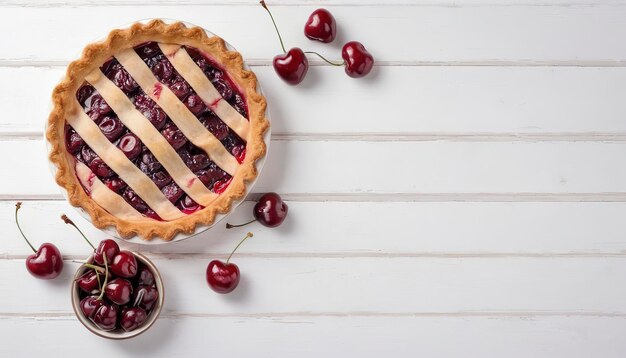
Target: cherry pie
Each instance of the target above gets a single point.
(156, 130)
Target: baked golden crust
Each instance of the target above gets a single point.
(94, 55)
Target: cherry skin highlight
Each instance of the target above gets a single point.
(89, 283)
(292, 66)
(358, 60)
(107, 247)
(132, 317)
(321, 26)
(105, 316)
(270, 210)
(118, 291)
(222, 277)
(46, 263)
(147, 296)
(124, 264)
(89, 305)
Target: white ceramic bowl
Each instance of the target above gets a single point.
(120, 333)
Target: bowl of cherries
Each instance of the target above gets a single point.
(117, 294)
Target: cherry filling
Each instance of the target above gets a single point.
(114, 130)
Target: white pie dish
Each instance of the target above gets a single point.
(200, 228)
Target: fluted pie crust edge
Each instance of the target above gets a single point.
(93, 56)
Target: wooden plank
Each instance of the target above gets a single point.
(335, 229)
(330, 336)
(332, 3)
(345, 285)
(390, 167)
(447, 34)
(442, 101)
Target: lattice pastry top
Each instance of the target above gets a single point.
(156, 130)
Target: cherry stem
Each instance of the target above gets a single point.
(139, 298)
(262, 2)
(324, 58)
(18, 205)
(106, 276)
(229, 226)
(96, 268)
(70, 222)
(99, 282)
(248, 235)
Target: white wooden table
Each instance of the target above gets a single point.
(466, 200)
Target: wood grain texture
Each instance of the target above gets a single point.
(391, 167)
(561, 35)
(341, 229)
(478, 214)
(449, 102)
(333, 336)
(332, 3)
(343, 285)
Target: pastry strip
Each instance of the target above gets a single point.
(186, 67)
(104, 196)
(125, 169)
(151, 137)
(186, 121)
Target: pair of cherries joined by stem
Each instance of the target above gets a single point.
(270, 210)
(293, 65)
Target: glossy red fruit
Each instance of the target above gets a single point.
(321, 26)
(89, 305)
(292, 66)
(46, 263)
(222, 277)
(270, 210)
(124, 264)
(119, 291)
(149, 296)
(145, 276)
(132, 317)
(358, 61)
(105, 316)
(107, 247)
(88, 282)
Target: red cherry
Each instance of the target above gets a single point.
(89, 283)
(105, 316)
(46, 263)
(292, 66)
(89, 305)
(321, 26)
(124, 264)
(222, 277)
(270, 210)
(107, 247)
(132, 317)
(358, 61)
(118, 291)
(145, 297)
(144, 276)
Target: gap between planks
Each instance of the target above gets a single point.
(608, 137)
(291, 3)
(25, 62)
(358, 255)
(616, 197)
(349, 314)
